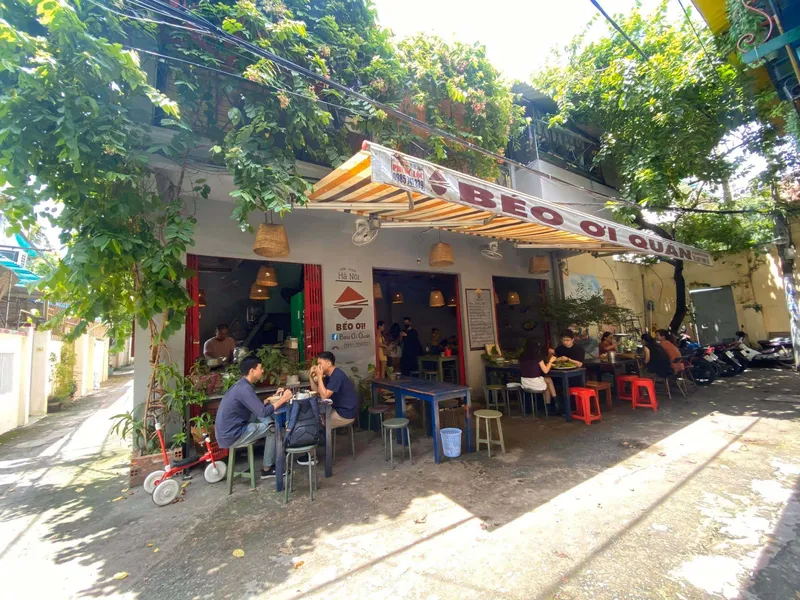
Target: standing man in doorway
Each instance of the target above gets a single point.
(220, 346)
(412, 347)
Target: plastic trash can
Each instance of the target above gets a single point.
(451, 442)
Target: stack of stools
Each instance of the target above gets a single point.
(622, 389)
(587, 406)
(646, 399)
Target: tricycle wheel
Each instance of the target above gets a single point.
(150, 481)
(166, 492)
(215, 472)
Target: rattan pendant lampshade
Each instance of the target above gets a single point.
(201, 298)
(496, 299)
(451, 302)
(377, 292)
(513, 298)
(271, 241)
(259, 292)
(436, 299)
(267, 276)
(441, 255)
(539, 265)
(397, 298)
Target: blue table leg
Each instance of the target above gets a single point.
(565, 393)
(437, 441)
(280, 462)
(400, 413)
(468, 421)
(328, 440)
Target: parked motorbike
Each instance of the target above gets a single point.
(774, 352)
(729, 354)
(703, 371)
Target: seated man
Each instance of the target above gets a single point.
(569, 350)
(663, 337)
(221, 345)
(239, 405)
(333, 384)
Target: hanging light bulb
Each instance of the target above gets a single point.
(259, 292)
(513, 298)
(451, 302)
(201, 298)
(397, 298)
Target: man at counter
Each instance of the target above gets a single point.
(569, 350)
(220, 346)
(240, 405)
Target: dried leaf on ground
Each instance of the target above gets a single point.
(299, 564)
(238, 553)
(421, 520)
(178, 499)
(185, 484)
(285, 550)
(560, 554)
(118, 498)
(150, 545)
(78, 490)
(484, 526)
(662, 453)
(155, 550)
(694, 413)
(120, 575)
(123, 490)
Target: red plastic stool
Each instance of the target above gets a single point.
(621, 381)
(584, 399)
(647, 400)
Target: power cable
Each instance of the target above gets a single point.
(619, 29)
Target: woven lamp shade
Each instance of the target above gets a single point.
(496, 299)
(451, 302)
(397, 298)
(201, 298)
(539, 265)
(513, 298)
(441, 255)
(259, 292)
(271, 241)
(377, 292)
(436, 299)
(267, 276)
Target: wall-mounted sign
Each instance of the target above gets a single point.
(349, 330)
(480, 319)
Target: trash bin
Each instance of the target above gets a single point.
(451, 442)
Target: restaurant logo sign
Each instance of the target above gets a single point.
(399, 170)
(350, 303)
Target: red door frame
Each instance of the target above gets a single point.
(462, 350)
(312, 324)
(192, 340)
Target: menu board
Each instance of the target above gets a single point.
(480, 321)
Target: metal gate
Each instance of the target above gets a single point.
(715, 314)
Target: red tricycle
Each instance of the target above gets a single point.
(164, 489)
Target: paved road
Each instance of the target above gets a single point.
(699, 500)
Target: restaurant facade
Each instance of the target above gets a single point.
(384, 212)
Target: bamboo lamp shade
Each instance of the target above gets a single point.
(513, 298)
(451, 302)
(259, 292)
(539, 265)
(397, 298)
(496, 299)
(436, 299)
(377, 292)
(271, 241)
(201, 298)
(441, 255)
(267, 276)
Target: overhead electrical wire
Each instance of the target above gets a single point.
(204, 27)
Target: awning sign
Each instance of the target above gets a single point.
(420, 176)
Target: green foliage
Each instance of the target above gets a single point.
(64, 385)
(275, 363)
(203, 422)
(364, 384)
(584, 309)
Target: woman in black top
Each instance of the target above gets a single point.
(412, 348)
(655, 357)
(533, 365)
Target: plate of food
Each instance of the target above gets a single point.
(563, 366)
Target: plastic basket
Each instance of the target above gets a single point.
(451, 442)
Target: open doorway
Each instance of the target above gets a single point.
(431, 302)
(519, 311)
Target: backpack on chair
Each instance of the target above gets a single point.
(303, 424)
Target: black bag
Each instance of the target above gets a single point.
(303, 424)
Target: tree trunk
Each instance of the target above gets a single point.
(680, 298)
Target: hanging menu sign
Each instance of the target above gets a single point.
(480, 323)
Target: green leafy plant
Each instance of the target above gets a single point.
(364, 384)
(275, 363)
(584, 309)
(64, 384)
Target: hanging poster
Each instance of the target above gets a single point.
(480, 318)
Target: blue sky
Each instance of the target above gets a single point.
(518, 34)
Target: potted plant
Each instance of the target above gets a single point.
(364, 390)
(200, 425)
(275, 363)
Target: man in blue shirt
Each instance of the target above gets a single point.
(240, 405)
(332, 383)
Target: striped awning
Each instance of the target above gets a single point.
(397, 188)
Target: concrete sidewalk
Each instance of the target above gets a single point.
(697, 500)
